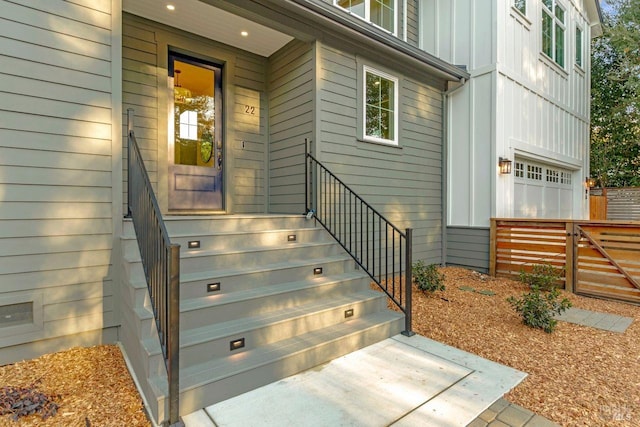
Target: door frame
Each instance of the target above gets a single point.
(196, 53)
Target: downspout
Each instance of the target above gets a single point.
(404, 20)
(445, 171)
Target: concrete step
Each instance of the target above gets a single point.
(235, 240)
(195, 285)
(218, 379)
(245, 258)
(228, 223)
(213, 339)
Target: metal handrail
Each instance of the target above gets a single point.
(380, 248)
(160, 261)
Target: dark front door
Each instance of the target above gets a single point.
(195, 136)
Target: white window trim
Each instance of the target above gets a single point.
(396, 81)
(367, 15)
(580, 66)
(563, 25)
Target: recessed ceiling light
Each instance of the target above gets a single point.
(244, 33)
(171, 7)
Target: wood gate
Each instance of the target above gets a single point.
(598, 258)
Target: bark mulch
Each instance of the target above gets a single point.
(87, 386)
(578, 376)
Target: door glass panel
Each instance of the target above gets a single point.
(194, 114)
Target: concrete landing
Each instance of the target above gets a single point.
(400, 381)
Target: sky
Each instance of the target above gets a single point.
(605, 7)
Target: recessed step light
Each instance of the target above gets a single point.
(348, 313)
(292, 238)
(193, 244)
(236, 344)
(213, 287)
(317, 271)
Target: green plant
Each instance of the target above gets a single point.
(427, 277)
(537, 308)
(545, 276)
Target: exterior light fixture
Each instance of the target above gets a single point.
(292, 238)
(590, 182)
(171, 7)
(505, 166)
(213, 287)
(236, 344)
(244, 33)
(317, 271)
(193, 244)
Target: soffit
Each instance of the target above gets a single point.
(207, 21)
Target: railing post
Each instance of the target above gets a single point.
(569, 256)
(173, 344)
(408, 331)
(306, 178)
(129, 130)
(493, 246)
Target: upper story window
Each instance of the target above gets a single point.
(553, 26)
(521, 5)
(380, 107)
(379, 12)
(578, 46)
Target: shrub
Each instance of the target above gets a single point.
(543, 276)
(537, 308)
(427, 277)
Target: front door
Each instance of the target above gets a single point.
(195, 135)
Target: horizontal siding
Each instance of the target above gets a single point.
(468, 247)
(404, 184)
(140, 93)
(56, 231)
(291, 109)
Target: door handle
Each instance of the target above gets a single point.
(219, 154)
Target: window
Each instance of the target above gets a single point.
(534, 172)
(578, 47)
(565, 177)
(380, 107)
(553, 175)
(553, 31)
(519, 170)
(379, 12)
(521, 5)
(189, 125)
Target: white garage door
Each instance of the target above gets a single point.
(542, 191)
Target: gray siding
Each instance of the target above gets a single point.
(291, 120)
(413, 22)
(404, 183)
(243, 85)
(55, 157)
(468, 247)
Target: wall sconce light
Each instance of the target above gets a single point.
(590, 182)
(505, 166)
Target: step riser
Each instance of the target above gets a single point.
(243, 282)
(224, 223)
(256, 259)
(258, 337)
(215, 314)
(208, 394)
(221, 242)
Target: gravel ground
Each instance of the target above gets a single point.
(578, 376)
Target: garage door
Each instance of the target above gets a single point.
(542, 191)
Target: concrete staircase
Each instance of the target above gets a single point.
(289, 317)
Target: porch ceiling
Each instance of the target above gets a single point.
(210, 22)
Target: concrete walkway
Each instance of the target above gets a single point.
(594, 319)
(398, 382)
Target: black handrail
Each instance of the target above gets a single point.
(161, 264)
(377, 246)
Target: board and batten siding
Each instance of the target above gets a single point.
(291, 120)
(403, 183)
(56, 231)
(145, 49)
(468, 247)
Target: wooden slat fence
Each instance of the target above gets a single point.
(598, 258)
